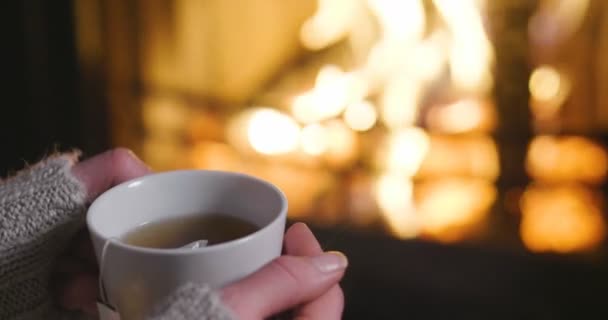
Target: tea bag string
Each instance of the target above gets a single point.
(102, 266)
(103, 295)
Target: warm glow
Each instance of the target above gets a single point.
(272, 132)
(215, 156)
(399, 102)
(449, 207)
(400, 21)
(545, 83)
(561, 219)
(548, 90)
(471, 54)
(428, 58)
(569, 158)
(164, 115)
(331, 22)
(360, 116)
(468, 156)
(342, 143)
(394, 196)
(461, 116)
(302, 186)
(333, 91)
(160, 153)
(361, 199)
(304, 108)
(350, 87)
(571, 15)
(404, 151)
(313, 139)
(557, 21)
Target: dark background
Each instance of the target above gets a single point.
(42, 92)
(48, 105)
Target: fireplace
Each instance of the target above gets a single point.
(478, 122)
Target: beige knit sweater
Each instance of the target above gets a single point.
(41, 208)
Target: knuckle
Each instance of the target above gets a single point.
(122, 161)
(121, 154)
(284, 266)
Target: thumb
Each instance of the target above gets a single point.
(108, 169)
(283, 284)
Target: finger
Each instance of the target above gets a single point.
(108, 169)
(300, 241)
(283, 284)
(328, 306)
(80, 293)
(84, 248)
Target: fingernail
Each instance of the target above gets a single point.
(330, 261)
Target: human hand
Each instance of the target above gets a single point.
(305, 279)
(294, 280)
(75, 274)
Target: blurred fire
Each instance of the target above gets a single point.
(394, 194)
(403, 151)
(342, 144)
(360, 116)
(471, 54)
(466, 115)
(313, 139)
(334, 90)
(562, 215)
(548, 90)
(451, 208)
(566, 159)
(361, 119)
(398, 68)
(561, 219)
(271, 132)
(474, 155)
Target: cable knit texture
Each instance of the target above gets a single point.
(41, 208)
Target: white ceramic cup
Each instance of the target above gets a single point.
(134, 278)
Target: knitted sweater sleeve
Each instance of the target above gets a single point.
(41, 208)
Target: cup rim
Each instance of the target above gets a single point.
(183, 251)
